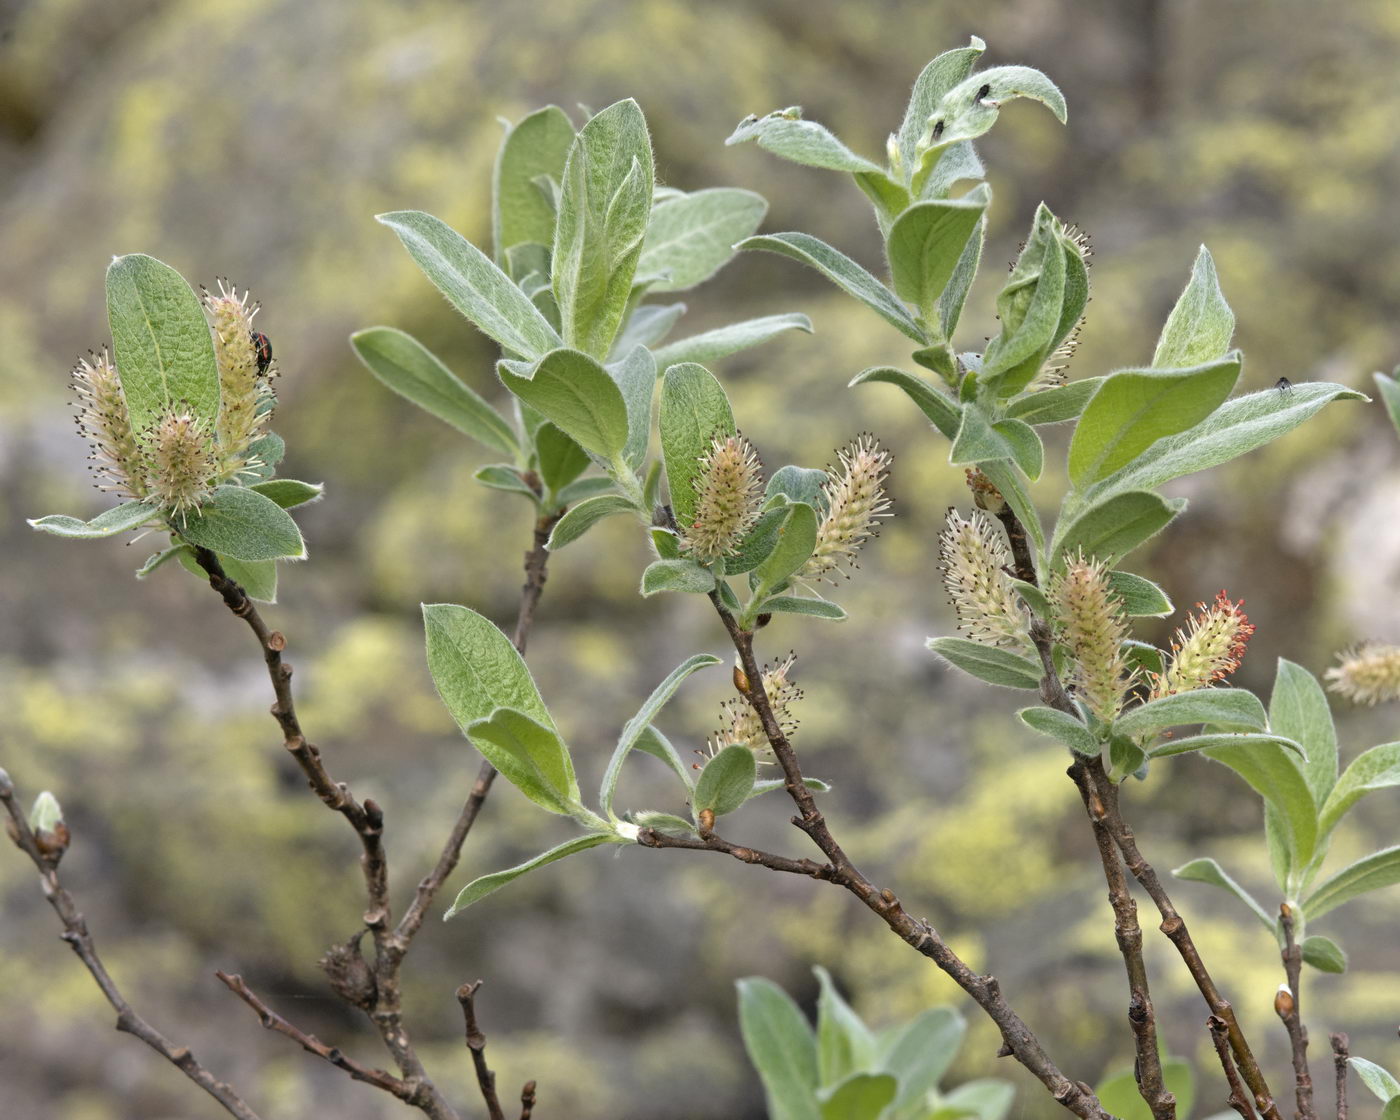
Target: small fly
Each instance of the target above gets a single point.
(1284, 387)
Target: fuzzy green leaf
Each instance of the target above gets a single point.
(784, 133)
(561, 460)
(781, 1046)
(924, 247)
(1208, 871)
(987, 663)
(1274, 774)
(1380, 869)
(290, 492)
(161, 341)
(502, 476)
(1141, 598)
(538, 145)
(844, 273)
(257, 577)
(797, 539)
(694, 410)
(652, 742)
(730, 339)
(577, 394)
(475, 667)
(632, 732)
(1051, 406)
(478, 889)
(1298, 708)
(1224, 739)
(862, 1096)
(473, 284)
(1133, 409)
(636, 379)
(1389, 390)
(1063, 727)
(798, 604)
(798, 484)
(406, 366)
(692, 236)
(845, 1044)
(1227, 707)
(1324, 954)
(1378, 1080)
(1377, 768)
(1199, 327)
(108, 523)
(530, 756)
(646, 326)
(1113, 527)
(676, 575)
(1236, 427)
(584, 516)
(726, 781)
(245, 525)
(932, 85)
(919, 1053)
(603, 213)
(944, 413)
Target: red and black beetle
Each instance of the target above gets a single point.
(262, 347)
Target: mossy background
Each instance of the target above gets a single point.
(255, 140)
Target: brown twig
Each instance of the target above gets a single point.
(1148, 1066)
(476, 1043)
(1341, 1057)
(1053, 693)
(313, 1045)
(80, 940)
(1288, 1005)
(1239, 1095)
(367, 819)
(527, 1100)
(1018, 1039)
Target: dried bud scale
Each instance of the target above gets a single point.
(855, 502)
(1367, 674)
(104, 421)
(973, 557)
(1207, 650)
(729, 496)
(1093, 625)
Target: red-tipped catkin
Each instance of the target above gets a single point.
(1093, 624)
(1207, 650)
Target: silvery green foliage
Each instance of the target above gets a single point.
(164, 355)
(844, 1069)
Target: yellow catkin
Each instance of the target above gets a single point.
(974, 558)
(1367, 674)
(1207, 650)
(242, 387)
(855, 502)
(118, 460)
(1092, 624)
(728, 495)
(184, 461)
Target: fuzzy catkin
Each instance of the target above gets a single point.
(973, 557)
(117, 457)
(1092, 623)
(728, 498)
(855, 501)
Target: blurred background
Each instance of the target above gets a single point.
(255, 140)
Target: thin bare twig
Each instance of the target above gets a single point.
(80, 940)
(476, 1043)
(1341, 1057)
(1289, 1007)
(313, 1045)
(527, 1100)
(1239, 1095)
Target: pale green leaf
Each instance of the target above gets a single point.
(1208, 871)
(1324, 954)
(987, 663)
(924, 247)
(798, 604)
(1227, 707)
(1051, 406)
(161, 341)
(577, 394)
(919, 1053)
(1377, 768)
(290, 492)
(844, 1043)
(676, 575)
(636, 379)
(244, 525)
(781, 1046)
(531, 756)
(1140, 598)
(1199, 328)
(561, 460)
(646, 326)
(475, 667)
(862, 1096)
(726, 781)
(478, 889)
(1380, 869)
(784, 133)
(1378, 1080)
(932, 85)
(1298, 708)
(694, 410)
(692, 236)
(407, 367)
(537, 146)
(108, 523)
(796, 541)
(1062, 727)
(473, 284)
(1224, 739)
(1114, 526)
(730, 339)
(585, 515)
(944, 413)
(1274, 774)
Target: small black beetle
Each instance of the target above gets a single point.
(262, 347)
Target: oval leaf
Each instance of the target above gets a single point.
(986, 663)
(726, 781)
(676, 575)
(245, 525)
(1229, 707)
(782, 1047)
(108, 523)
(475, 667)
(945, 414)
(1062, 726)
(584, 516)
(694, 410)
(730, 339)
(1117, 524)
(530, 756)
(577, 394)
(478, 889)
(692, 236)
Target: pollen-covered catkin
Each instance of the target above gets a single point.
(118, 460)
(1207, 650)
(1367, 674)
(1093, 625)
(973, 557)
(855, 502)
(243, 384)
(184, 461)
(728, 494)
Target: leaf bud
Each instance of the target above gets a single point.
(349, 973)
(1284, 1003)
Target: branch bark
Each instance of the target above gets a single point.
(1290, 1010)
(476, 1043)
(80, 940)
(1341, 1056)
(1239, 1095)
(1018, 1039)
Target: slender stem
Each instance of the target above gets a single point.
(527, 1100)
(476, 1043)
(1172, 925)
(80, 940)
(1239, 1095)
(313, 1045)
(1141, 1017)
(1018, 1039)
(1290, 1010)
(367, 819)
(1341, 1056)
